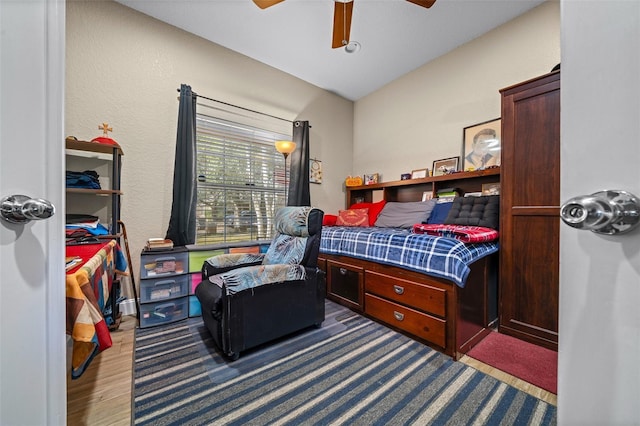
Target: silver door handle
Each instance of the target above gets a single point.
(22, 209)
(607, 212)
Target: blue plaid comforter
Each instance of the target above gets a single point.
(437, 256)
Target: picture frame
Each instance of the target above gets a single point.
(419, 173)
(445, 166)
(481, 145)
(491, 188)
(370, 179)
(315, 171)
(427, 195)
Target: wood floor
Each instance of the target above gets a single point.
(103, 394)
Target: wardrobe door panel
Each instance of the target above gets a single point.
(529, 212)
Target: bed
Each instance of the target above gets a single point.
(428, 280)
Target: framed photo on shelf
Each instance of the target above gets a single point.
(481, 145)
(491, 188)
(371, 179)
(419, 173)
(445, 166)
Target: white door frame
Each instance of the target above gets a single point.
(32, 289)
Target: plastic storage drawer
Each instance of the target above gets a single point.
(164, 288)
(197, 258)
(152, 314)
(155, 265)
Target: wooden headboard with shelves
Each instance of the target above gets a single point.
(412, 189)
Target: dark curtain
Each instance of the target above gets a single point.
(299, 169)
(182, 224)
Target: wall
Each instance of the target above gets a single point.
(599, 347)
(123, 67)
(424, 112)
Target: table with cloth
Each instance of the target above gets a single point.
(91, 298)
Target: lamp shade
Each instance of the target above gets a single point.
(285, 147)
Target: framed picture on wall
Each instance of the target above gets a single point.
(481, 145)
(315, 171)
(445, 166)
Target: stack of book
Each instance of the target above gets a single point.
(447, 194)
(154, 244)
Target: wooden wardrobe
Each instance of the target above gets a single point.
(529, 211)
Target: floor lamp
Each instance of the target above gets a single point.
(285, 148)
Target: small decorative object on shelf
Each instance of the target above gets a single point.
(405, 176)
(370, 179)
(445, 166)
(105, 139)
(491, 188)
(419, 173)
(353, 181)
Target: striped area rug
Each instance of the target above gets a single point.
(351, 371)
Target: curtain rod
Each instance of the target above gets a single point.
(236, 106)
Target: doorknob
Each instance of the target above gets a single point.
(605, 212)
(22, 209)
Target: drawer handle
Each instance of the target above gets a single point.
(399, 316)
(398, 289)
(164, 282)
(162, 259)
(343, 271)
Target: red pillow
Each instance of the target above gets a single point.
(374, 209)
(329, 220)
(353, 217)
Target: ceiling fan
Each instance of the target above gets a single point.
(341, 17)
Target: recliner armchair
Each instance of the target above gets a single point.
(251, 299)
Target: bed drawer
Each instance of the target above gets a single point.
(419, 296)
(417, 323)
(345, 283)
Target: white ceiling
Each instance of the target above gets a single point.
(294, 36)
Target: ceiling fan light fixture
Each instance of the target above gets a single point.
(352, 47)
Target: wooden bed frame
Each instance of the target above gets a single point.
(433, 310)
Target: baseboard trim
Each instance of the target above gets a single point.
(128, 307)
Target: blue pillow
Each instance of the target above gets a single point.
(439, 212)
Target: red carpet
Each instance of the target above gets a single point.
(531, 363)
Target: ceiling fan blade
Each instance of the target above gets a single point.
(341, 23)
(263, 4)
(423, 3)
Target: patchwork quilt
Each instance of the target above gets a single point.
(87, 292)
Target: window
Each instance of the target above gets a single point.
(241, 181)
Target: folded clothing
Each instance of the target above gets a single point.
(86, 180)
(464, 233)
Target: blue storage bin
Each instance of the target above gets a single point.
(195, 310)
